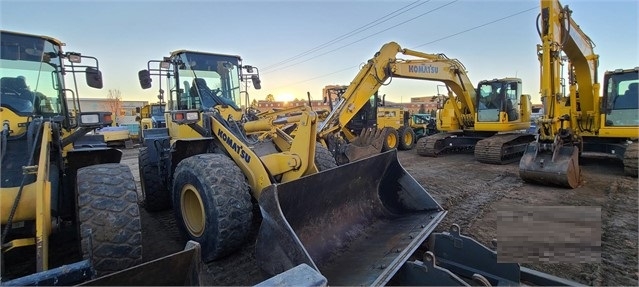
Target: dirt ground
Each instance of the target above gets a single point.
(472, 193)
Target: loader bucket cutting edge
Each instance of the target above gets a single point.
(356, 224)
(561, 169)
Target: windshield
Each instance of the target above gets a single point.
(495, 97)
(29, 75)
(623, 98)
(209, 80)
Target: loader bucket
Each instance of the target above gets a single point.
(356, 224)
(178, 269)
(560, 168)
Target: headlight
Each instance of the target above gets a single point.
(90, 119)
(192, 116)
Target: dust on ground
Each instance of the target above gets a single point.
(472, 193)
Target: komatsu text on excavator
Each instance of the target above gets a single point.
(581, 122)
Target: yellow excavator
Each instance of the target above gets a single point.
(487, 120)
(581, 122)
(63, 222)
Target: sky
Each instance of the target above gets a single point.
(302, 46)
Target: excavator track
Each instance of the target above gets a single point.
(502, 148)
(442, 143)
(432, 145)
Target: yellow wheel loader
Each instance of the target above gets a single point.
(151, 117)
(68, 207)
(581, 122)
(213, 162)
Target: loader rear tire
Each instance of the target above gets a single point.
(212, 203)
(108, 217)
(391, 140)
(406, 138)
(157, 196)
(324, 158)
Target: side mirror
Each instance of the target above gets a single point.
(145, 79)
(94, 78)
(257, 83)
(137, 119)
(137, 110)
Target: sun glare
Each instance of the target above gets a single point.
(284, 97)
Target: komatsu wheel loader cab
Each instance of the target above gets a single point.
(579, 122)
(61, 202)
(213, 162)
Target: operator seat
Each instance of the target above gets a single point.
(16, 94)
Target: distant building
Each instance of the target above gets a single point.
(429, 104)
(127, 111)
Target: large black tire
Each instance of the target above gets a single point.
(630, 159)
(157, 196)
(406, 138)
(391, 140)
(212, 203)
(324, 159)
(108, 217)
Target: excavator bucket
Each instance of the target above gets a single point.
(369, 142)
(560, 167)
(356, 224)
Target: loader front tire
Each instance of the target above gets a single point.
(324, 158)
(157, 196)
(406, 138)
(108, 217)
(391, 140)
(212, 203)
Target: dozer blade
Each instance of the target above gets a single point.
(356, 224)
(178, 269)
(560, 167)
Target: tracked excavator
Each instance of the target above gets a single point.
(62, 222)
(580, 123)
(466, 118)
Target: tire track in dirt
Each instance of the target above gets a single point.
(619, 236)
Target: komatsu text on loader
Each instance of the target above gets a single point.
(68, 211)
(581, 122)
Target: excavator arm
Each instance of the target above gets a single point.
(554, 157)
(383, 66)
(561, 35)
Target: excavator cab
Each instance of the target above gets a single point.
(496, 97)
(621, 98)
